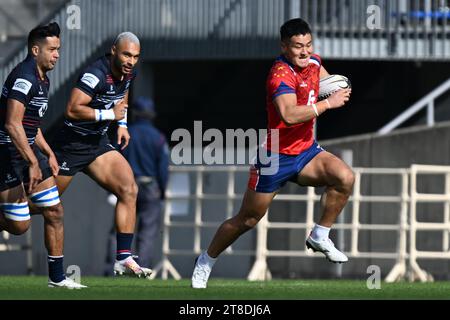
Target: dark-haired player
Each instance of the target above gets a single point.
(100, 97)
(27, 164)
(292, 88)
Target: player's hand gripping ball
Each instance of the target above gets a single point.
(331, 84)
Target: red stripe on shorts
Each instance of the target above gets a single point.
(254, 177)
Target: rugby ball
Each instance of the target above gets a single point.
(331, 84)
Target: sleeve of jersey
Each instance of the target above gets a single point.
(89, 81)
(22, 89)
(281, 82)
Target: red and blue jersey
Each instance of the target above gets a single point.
(286, 78)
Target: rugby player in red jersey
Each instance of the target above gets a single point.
(292, 89)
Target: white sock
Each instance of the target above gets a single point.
(210, 261)
(320, 233)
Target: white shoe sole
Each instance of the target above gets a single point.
(310, 246)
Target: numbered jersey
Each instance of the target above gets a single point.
(285, 78)
(25, 85)
(98, 82)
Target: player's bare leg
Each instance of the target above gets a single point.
(62, 183)
(12, 206)
(45, 197)
(325, 169)
(254, 207)
(54, 231)
(112, 172)
(53, 221)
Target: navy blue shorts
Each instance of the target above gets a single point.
(269, 176)
(75, 152)
(14, 170)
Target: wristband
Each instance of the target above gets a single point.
(123, 123)
(102, 115)
(315, 109)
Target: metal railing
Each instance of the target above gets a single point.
(415, 225)
(426, 102)
(406, 228)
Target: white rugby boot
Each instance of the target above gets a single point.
(202, 270)
(130, 267)
(326, 246)
(66, 283)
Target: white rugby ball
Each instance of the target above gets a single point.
(331, 84)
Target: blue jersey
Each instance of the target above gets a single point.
(98, 82)
(26, 86)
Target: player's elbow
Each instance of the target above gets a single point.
(286, 116)
(70, 112)
(288, 120)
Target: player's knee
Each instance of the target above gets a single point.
(128, 191)
(250, 219)
(54, 214)
(18, 227)
(250, 223)
(34, 209)
(347, 179)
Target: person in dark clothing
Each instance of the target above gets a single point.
(147, 153)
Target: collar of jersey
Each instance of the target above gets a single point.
(285, 60)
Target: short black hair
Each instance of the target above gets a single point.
(41, 32)
(294, 27)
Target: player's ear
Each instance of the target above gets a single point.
(35, 50)
(113, 50)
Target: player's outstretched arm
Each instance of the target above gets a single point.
(13, 124)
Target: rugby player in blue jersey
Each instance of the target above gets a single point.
(28, 166)
(100, 97)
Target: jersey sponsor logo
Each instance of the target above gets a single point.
(90, 80)
(303, 85)
(22, 85)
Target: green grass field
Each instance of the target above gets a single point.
(35, 287)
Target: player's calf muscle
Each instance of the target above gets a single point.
(55, 213)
